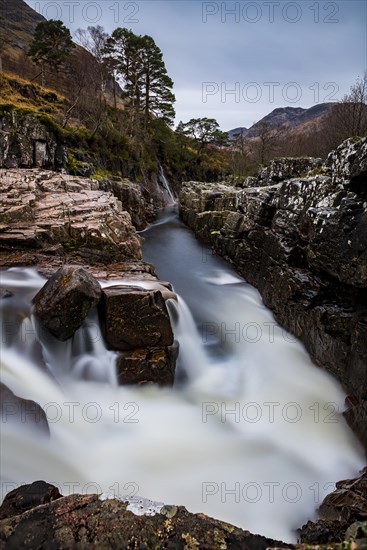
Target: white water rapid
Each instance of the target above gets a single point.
(252, 433)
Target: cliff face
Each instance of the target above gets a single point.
(28, 140)
(34, 140)
(303, 243)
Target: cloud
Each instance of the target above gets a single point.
(318, 46)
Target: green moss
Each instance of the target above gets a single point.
(318, 171)
(100, 174)
(73, 164)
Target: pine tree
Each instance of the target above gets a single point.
(139, 63)
(204, 131)
(51, 45)
(157, 85)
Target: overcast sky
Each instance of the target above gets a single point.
(237, 61)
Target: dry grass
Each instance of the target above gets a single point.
(25, 94)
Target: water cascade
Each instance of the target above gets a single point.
(166, 185)
(251, 433)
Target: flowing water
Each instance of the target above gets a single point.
(166, 186)
(251, 434)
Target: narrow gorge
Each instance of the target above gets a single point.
(252, 433)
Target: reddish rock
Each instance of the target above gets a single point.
(147, 366)
(135, 318)
(27, 497)
(346, 506)
(86, 522)
(41, 208)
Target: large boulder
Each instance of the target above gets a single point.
(90, 521)
(134, 318)
(22, 411)
(27, 497)
(65, 300)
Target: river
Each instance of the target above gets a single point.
(252, 432)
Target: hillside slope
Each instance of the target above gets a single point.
(17, 24)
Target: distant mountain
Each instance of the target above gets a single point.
(232, 134)
(290, 117)
(17, 24)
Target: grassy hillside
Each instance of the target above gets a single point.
(22, 93)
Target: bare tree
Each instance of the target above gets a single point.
(94, 39)
(348, 118)
(240, 162)
(268, 141)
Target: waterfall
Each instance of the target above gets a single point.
(166, 186)
(253, 437)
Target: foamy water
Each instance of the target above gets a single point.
(252, 434)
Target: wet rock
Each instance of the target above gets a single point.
(65, 300)
(206, 207)
(4, 293)
(348, 503)
(343, 514)
(349, 163)
(133, 200)
(143, 366)
(40, 209)
(303, 243)
(86, 521)
(22, 411)
(135, 318)
(27, 497)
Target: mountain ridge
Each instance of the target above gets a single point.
(289, 117)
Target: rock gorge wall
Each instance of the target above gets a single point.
(303, 243)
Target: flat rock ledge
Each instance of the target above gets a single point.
(41, 210)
